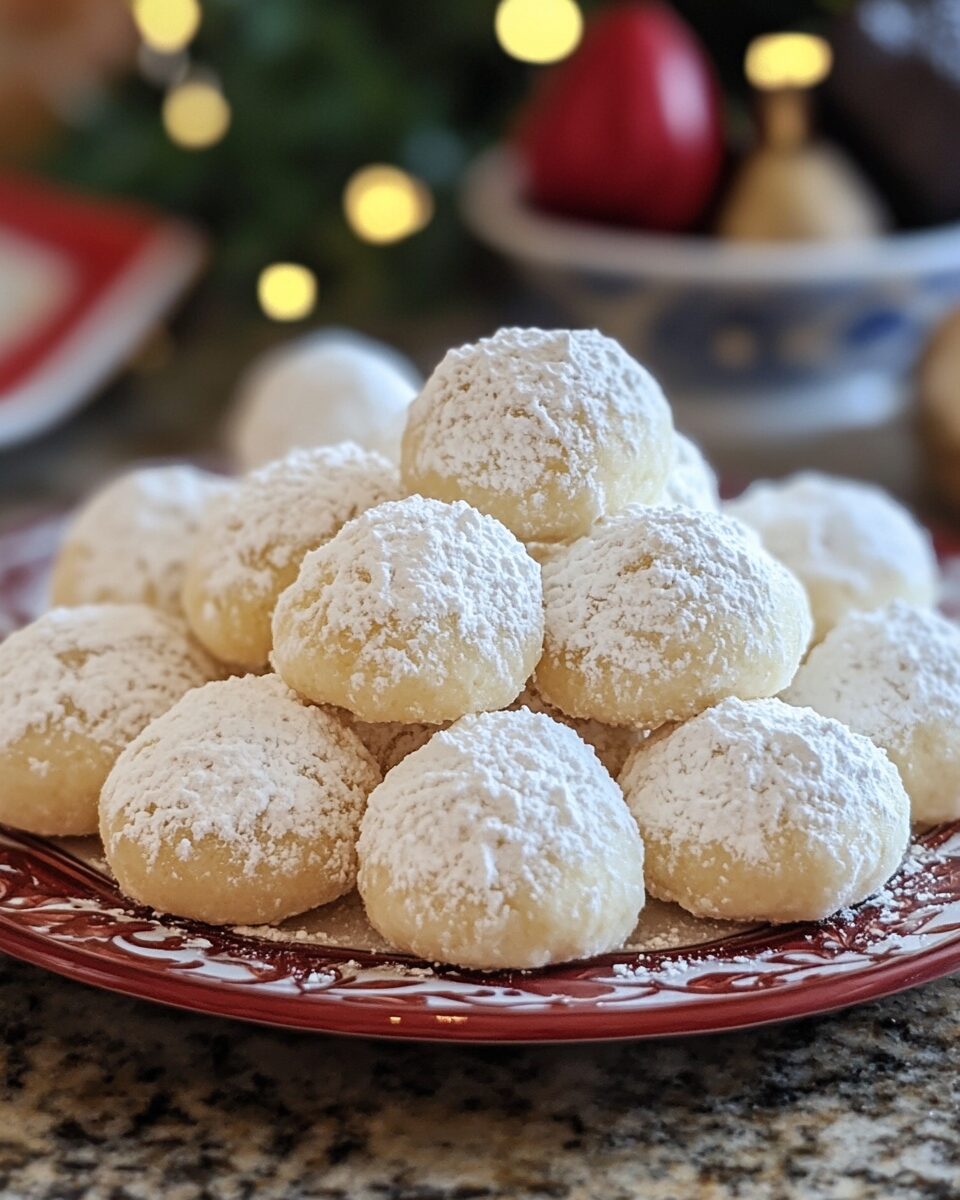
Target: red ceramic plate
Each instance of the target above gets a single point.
(62, 914)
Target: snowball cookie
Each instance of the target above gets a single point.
(661, 612)
(77, 686)
(325, 388)
(851, 545)
(611, 743)
(416, 611)
(692, 482)
(130, 542)
(240, 806)
(253, 540)
(894, 675)
(545, 430)
(501, 843)
(756, 811)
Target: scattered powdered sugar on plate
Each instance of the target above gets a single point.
(920, 863)
(340, 925)
(900, 916)
(665, 926)
(344, 925)
(249, 535)
(100, 671)
(401, 579)
(132, 539)
(244, 762)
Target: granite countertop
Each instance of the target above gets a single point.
(104, 1097)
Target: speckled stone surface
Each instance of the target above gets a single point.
(103, 1097)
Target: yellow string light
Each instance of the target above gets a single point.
(538, 31)
(384, 204)
(287, 291)
(167, 25)
(787, 60)
(196, 114)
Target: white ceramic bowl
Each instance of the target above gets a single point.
(822, 331)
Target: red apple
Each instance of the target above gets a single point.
(628, 128)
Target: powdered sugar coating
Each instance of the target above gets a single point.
(692, 482)
(416, 611)
(253, 541)
(501, 843)
(130, 542)
(546, 430)
(101, 670)
(77, 686)
(660, 612)
(321, 389)
(611, 743)
(850, 543)
(239, 803)
(755, 810)
(894, 675)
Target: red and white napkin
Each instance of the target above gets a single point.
(82, 284)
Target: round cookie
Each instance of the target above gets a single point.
(661, 612)
(129, 543)
(253, 540)
(322, 389)
(239, 806)
(756, 811)
(692, 482)
(76, 687)
(416, 611)
(851, 545)
(545, 430)
(894, 675)
(501, 843)
(611, 743)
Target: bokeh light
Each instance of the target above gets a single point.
(167, 25)
(785, 60)
(196, 114)
(538, 31)
(287, 291)
(384, 204)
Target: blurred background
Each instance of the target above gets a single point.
(760, 198)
